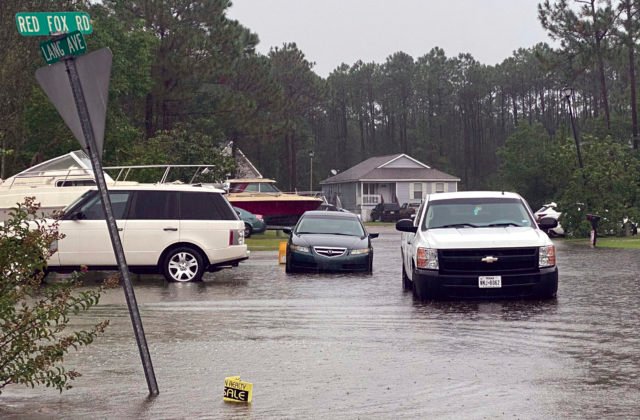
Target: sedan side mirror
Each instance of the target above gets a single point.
(287, 230)
(374, 235)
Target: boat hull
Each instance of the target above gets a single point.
(276, 210)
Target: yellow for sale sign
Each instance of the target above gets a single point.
(236, 390)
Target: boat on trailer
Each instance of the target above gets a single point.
(57, 182)
(261, 196)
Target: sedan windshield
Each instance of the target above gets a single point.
(476, 213)
(329, 225)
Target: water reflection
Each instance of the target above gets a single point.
(506, 310)
(348, 346)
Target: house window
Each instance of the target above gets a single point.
(417, 191)
(439, 187)
(370, 188)
(370, 194)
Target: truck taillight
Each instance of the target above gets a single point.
(427, 258)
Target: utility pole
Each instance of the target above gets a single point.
(567, 93)
(311, 154)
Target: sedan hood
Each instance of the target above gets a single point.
(494, 237)
(344, 241)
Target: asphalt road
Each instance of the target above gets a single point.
(357, 346)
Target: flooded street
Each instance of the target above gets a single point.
(357, 346)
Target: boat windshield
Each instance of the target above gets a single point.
(329, 226)
(253, 187)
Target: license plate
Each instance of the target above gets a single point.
(490, 282)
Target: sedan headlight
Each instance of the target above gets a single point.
(427, 258)
(298, 248)
(360, 251)
(547, 256)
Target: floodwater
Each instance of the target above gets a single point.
(357, 346)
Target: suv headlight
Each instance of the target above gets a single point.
(359, 251)
(427, 258)
(547, 256)
(298, 248)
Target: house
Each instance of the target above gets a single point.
(392, 178)
(244, 167)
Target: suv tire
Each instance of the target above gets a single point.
(183, 264)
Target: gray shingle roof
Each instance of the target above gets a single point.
(370, 170)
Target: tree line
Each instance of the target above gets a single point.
(187, 79)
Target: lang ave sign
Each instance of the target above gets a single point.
(55, 49)
(49, 23)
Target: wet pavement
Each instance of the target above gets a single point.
(357, 346)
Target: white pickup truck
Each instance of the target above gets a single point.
(483, 244)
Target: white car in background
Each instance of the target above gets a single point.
(549, 210)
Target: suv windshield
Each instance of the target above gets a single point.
(476, 212)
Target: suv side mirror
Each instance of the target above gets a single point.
(287, 230)
(374, 235)
(77, 215)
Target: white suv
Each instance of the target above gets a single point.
(177, 230)
(477, 244)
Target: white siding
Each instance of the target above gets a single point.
(403, 162)
(347, 194)
(402, 191)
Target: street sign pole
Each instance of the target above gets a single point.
(87, 130)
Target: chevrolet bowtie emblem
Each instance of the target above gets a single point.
(489, 259)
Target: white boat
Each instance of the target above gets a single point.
(54, 183)
(57, 182)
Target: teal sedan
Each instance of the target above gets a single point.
(253, 223)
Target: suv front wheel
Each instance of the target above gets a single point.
(183, 264)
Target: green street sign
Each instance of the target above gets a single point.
(48, 23)
(55, 49)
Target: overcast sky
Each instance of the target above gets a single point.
(331, 32)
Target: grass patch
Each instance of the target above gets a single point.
(267, 241)
(270, 239)
(374, 224)
(614, 242)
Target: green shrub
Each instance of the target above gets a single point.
(34, 317)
